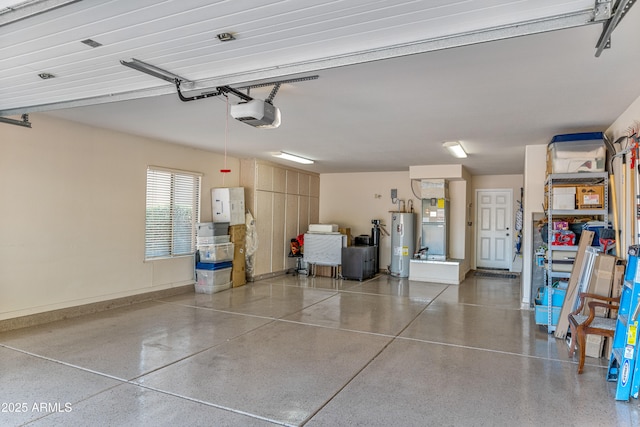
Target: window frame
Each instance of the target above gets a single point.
(164, 190)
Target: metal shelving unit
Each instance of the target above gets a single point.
(577, 179)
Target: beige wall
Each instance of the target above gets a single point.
(73, 214)
(534, 177)
(354, 199)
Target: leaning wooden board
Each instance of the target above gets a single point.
(586, 238)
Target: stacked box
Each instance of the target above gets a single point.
(212, 277)
(227, 205)
(238, 237)
(209, 229)
(590, 196)
(577, 152)
(216, 253)
(213, 257)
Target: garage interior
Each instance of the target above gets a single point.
(94, 329)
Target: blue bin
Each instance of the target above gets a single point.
(542, 315)
(557, 298)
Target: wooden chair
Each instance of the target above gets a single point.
(582, 325)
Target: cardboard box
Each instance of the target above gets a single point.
(323, 270)
(560, 225)
(227, 205)
(238, 274)
(238, 235)
(599, 284)
(563, 197)
(347, 232)
(590, 196)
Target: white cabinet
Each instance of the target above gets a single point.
(283, 202)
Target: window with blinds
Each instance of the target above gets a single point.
(173, 209)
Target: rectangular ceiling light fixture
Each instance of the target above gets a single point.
(293, 158)
(455, 149)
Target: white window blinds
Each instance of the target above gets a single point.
(173, 209)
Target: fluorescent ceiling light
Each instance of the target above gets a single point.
(455, 149)
(293, 158)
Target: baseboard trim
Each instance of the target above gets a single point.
(81, 310)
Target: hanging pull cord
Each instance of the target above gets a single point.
(226, 136)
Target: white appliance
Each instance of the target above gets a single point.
(227, 205)
(256, 112)
(402, 243)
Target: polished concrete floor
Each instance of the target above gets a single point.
(307, 351)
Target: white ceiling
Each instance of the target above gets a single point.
(396, 78)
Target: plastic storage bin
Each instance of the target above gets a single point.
(557, 296)
(216, 253)
(542, 315)
(211, 278)
(212, 240)
(207, 229)
(576, 152)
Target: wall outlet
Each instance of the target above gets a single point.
(394, 193)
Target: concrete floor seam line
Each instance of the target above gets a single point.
(510, 353)
(70, 365)
(90, 396)
(375, 356)
(304, 308)
(210, 404)
(203, 350)
(138, 384)
(421, 311)
(217, 310)
(295, 322)
(490, 306)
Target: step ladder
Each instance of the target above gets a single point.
(623, 363)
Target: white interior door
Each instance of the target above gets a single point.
(493, 228)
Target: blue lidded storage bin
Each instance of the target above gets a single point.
(213, 265)
(576, 152)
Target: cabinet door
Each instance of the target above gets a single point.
(303, 184)
(292, 182)
(303, 214)
(291, 217)
(264, 228)
(279, 256)
(314, 210)
(314, 185)
(264, 177)
(279, 180)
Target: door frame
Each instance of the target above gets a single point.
(511, 224)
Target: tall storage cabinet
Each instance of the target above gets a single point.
(565, 198)
(283, 201)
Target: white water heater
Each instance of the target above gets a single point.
(402, 243)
